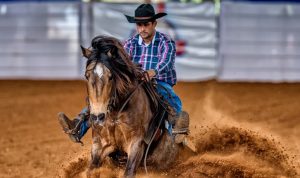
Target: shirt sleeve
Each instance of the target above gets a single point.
(127, 47)
(167, 60)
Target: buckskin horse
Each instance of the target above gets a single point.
(123, 106)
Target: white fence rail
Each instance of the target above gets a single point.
(252, 42)
(259, 42)
(39, 40)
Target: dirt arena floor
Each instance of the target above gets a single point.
(241, 130)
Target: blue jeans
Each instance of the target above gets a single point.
(163, 89)
(84, 127)
(169, 95)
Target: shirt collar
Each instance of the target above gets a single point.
(141, 40)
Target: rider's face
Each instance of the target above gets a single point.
(146, 30)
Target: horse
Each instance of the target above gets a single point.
(121, 109)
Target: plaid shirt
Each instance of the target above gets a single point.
(158, 55)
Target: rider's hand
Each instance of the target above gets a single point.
(151, 73)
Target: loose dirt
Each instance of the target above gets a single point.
(240, 129)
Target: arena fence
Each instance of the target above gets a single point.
(259, 42)
(39, 40)
(250, 42)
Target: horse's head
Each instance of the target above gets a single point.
(99, 83)
(109, 72)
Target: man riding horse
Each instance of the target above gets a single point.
(155, 52)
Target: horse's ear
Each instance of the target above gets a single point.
(112, 52)
(86, 52)
(109, 54)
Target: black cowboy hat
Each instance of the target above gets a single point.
(144, 13)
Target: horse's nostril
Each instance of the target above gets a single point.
(98, 120)
(93, 117)
(101, 116)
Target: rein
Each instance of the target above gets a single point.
(128, 98)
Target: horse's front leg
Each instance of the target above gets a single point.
(135, 156)
(96, 156)
(96, 153)
(100, 150)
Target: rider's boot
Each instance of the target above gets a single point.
(181, 123)
(75, 128)
(181, 129)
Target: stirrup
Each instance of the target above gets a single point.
(76, 129)
(73, 133)
(180, 131)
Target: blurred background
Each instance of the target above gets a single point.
(223, 40)
(238, 67)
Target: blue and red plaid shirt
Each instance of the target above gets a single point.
(158, 55)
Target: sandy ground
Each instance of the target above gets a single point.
(241, 130)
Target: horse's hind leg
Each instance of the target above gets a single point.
(135, 156)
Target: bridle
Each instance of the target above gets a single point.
(104, 59)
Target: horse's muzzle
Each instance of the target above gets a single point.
(97, 120)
